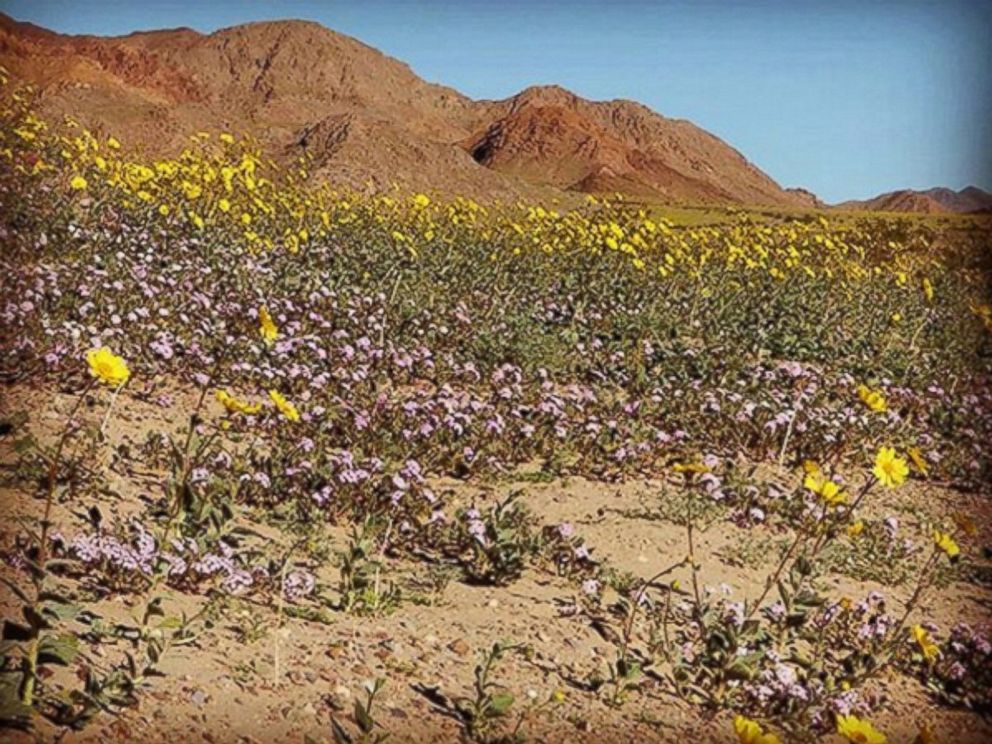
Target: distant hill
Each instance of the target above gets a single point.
(369, 121)
(932, 201)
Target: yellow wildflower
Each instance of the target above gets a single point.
(916, 456)
(873, 399)
(946, 543)
(421, 200)
(690, 467)
(269, 330)
(236, 405)
(749, 732)
(78, 183)
(859, 731)
(825, 488)
(890, 470)
(928, 289)
(855, 529)
(286, 408)
(107, 366)
(930, 649)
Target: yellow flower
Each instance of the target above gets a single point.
(946, 543)
(236, 405)
(286, 408)
(269, 330)
(107, 366)
(873, 399)
(690, 467)
(78, 183)
(825, 488)
(226, 138)
(558, 695)
(918, 461)
(113, 144)
(928, 289)
(421, 200)
(930, 649)
(749, 732)
(859, 731)
(890, 470)
(831, 494)
(855, 529)
(163, 210)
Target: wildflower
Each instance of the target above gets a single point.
(831, 494)
(749, 732)
(927, 646)
(855, 529)
(690, 467)
(78, 183)
(873, 399)
(928, 289)
(286, 408)
(236, 405)
(269, 330)
(558, 696)
(946, 543)
(421, 200)
(825, 488)
(890, 470)
(859, 731)
(918, 461)
(107, 366)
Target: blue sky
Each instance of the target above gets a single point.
(847, 99)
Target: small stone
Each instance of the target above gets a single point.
(460, 647)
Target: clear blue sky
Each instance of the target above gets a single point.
(846, 98)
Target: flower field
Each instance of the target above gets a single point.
(526, 472)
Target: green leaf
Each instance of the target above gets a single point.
(340, 735)
(501, 702)
(365, 722)
(61, 649)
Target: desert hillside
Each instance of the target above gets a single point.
(969, 200)
(369, 121)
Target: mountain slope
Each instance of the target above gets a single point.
(931, 201)
(368, 121)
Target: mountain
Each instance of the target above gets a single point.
(932, 201)
(368, 121)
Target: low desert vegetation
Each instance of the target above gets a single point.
(340, 367)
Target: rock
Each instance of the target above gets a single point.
(460, 647)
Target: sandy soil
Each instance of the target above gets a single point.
(288, 682)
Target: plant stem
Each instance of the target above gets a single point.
(27, 692)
